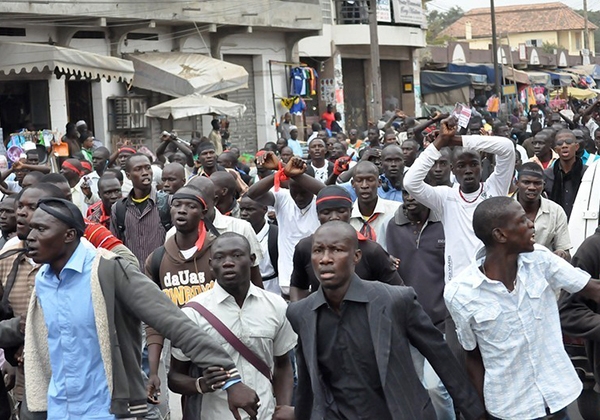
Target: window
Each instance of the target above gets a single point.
(534, 42)
(127, 112)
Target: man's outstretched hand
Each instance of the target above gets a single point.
(268, 161)
(241, 396)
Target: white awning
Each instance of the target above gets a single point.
(180, 74)
(196, 104)
(18, 57)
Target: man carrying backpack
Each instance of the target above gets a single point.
(141, 219)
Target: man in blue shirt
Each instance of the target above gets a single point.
(83, 340)
(293, 142)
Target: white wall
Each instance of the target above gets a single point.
(101, 91)
(57, 92)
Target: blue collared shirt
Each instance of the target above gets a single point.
(78, 387)
(391, 193)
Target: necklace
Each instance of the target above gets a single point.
(475, 199)
(140, 200)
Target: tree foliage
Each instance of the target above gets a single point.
(438, 21)
(594, 17)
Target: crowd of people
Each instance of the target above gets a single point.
(418, 270)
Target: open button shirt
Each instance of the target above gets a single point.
(518, 333)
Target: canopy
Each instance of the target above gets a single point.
(539, 78)
(484, 69)
(518, 76)
(180, 74)
(20, 57)
(196, 104)
(439, 81)
(577, 93)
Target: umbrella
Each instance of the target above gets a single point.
(195, 104)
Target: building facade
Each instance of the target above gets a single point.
(531, 25)
(100, 85)
(342, 53)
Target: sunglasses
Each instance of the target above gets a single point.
(568, 141)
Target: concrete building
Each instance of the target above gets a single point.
(531, 25)
(247, 34)
(342, 55)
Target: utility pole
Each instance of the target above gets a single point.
(376, 99)
(495, 51)
(586, 37)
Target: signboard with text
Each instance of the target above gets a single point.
(384, 11)
(409, 12)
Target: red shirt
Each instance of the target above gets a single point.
(329, 117)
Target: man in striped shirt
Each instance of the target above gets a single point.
(141, 230)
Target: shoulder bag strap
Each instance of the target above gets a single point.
(232, 339)
(10, 281)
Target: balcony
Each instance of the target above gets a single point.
(279, 14)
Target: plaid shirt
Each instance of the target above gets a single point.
(19, 295)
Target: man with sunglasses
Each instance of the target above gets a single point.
(564, 177)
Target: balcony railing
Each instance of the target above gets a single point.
(356, 12)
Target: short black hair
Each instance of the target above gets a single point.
(133, 156)
(54, 178)
(489, 215)
(49, 189)
(367, 166)
(37, 175)
(231, 235)
(339, 226)
(460, 150)
(117, 172)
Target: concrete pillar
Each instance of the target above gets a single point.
(57, 92)
(368, 90)
(338, 80)
(416, 64)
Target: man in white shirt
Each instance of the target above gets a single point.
(507, 319)
(370, 213)
(295, 208)
(257, 318)
(455, 205)
(255, 213)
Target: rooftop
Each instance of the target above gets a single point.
(518, 19)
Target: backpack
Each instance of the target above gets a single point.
(155, 262)
(163, 202)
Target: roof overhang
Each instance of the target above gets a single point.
(19, 57)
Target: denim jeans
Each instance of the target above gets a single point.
(440, 399)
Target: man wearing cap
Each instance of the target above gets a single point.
(81, 127)
(293, 142)
(335, 204)
(76, 355)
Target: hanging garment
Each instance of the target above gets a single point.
(298, 107)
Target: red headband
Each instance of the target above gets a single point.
(72, 167)
(87, 165)
(333, 197)
(127, 149)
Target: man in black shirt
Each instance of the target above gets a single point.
(334, 203)
(563, 179)
(346, 333)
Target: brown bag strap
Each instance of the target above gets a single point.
(232, 339)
